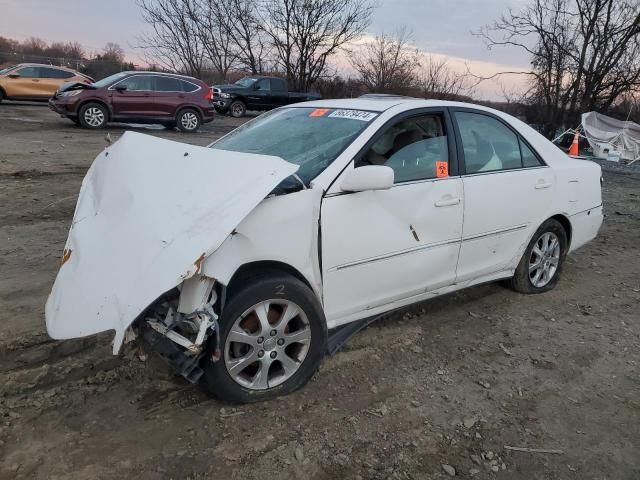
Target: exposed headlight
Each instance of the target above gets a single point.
(225, 95)
(70, 93)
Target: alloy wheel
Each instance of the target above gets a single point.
(267, 344)
(94, 117)
(544, 259)
(189, 121)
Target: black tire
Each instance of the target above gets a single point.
(93, 115)
(1, 95)
(278, 287)
(237, 109)
(188, 120)
(521, 280)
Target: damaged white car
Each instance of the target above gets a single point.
(244, 263)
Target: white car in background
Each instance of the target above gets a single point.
(244, 263)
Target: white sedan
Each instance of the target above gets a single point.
(245, 262)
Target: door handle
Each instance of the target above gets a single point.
(542, 185)
(448, 202)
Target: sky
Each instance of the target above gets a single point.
(439, 27)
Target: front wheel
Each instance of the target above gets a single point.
(93, 115)
(237, 109)
(272, 340)
(540, 266)
(188, 120)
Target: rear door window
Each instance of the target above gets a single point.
(55, 73)
(167, 84)
(488, 144)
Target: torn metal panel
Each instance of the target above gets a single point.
(148, 213)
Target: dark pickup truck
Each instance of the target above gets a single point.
(256, 93)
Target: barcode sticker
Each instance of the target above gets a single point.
(354, 115)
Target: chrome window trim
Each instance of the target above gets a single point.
(112, 87)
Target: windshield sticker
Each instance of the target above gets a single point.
(319, 112)
(442, 169)
(354, 115)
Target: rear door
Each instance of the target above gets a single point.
(508, 191)
(51, 78)
(386, 246)
(279, 92)
(167, 95)
(136, 99)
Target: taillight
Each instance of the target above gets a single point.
(209, 95)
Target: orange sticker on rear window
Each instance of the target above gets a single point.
(442, 169)
(319, 112)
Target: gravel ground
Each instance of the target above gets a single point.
(436, 390)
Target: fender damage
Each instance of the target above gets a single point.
(148, 213)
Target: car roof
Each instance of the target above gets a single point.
(166, 74)
(381, 103)
(29, 64)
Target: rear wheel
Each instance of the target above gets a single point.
(188, 120)
(1, 95)
(273, 338)
(237, 109)
(93, 115)
(540, 266)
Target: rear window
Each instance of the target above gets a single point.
(309, 137)
(167, 84)
(188, 86)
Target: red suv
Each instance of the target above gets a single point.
(137, 97)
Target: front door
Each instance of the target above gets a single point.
(381, 247)
(508, 191)
(133, 97)
(25, 83)
(260, 96)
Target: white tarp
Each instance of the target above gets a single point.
(606, 133)
(148, 211)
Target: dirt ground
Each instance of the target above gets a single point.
(448, 382)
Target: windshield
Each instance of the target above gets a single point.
(246, 82)
(109, 80)
(8, 69)
(309, 137)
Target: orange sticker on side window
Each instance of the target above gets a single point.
(319, 112)
(442, 169)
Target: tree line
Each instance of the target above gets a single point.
(110, 59)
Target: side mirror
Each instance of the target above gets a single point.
(368, 177)
(14, 75)
(121, 88)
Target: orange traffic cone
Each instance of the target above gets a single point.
(573, 149)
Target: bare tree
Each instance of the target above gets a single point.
(584, 54)
(244, 29)
(388, 63)
(175, 41)
(438, 80)
(213, 26)
(305, 33)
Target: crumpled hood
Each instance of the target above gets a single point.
(148, 212)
